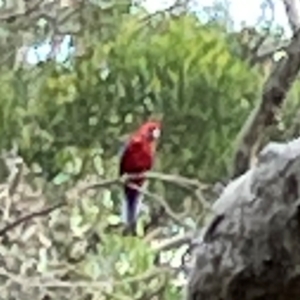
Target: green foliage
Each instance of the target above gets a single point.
(178, 68)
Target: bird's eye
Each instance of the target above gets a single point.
(156, 133)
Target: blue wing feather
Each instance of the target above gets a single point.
(131, 201)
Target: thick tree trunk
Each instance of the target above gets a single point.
(251, 248)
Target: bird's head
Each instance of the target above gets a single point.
(150, 130)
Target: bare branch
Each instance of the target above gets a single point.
(292, 12)
(177, 218)
(261, 40)
(264, 114)
(30, 216)
(175, 242)
(177, 5)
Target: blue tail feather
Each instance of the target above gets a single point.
(131, 205)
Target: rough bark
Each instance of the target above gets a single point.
(264, 114)
(251, 248)
(292, 12)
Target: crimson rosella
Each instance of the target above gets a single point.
(137, 158)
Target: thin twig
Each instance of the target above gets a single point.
(175, 242)
(30, 216)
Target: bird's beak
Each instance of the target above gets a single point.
(156, 133)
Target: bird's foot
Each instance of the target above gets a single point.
(130, 230)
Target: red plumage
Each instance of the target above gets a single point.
(137, 158)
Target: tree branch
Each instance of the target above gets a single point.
(30, 216)
(263, 116)
(292, 12)
(106, 184)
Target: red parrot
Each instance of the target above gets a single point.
(137, 157)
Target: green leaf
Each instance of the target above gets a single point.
(61, 178)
